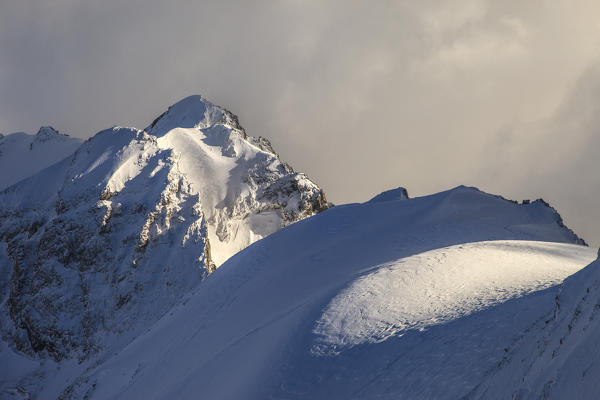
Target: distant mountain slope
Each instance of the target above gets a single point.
(387, 299)
(22, 155)
(100, 245)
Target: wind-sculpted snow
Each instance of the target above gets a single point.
(22, 155)
(248, 332)
(439, 286)
(103, 243)
(558, 358)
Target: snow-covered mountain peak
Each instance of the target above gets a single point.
(133, 221)
(47, 132)
(233, 174)
(194, 112)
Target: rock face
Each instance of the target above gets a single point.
(132, 222)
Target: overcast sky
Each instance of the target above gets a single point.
(363, 96)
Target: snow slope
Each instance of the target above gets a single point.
(98, 246)
(439, 286)
(22, 155)
(387, 299)
(559, 357)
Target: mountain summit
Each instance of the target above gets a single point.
(133, 221)
(193, 112)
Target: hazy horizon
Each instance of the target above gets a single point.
(363, 97)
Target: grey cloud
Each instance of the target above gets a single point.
(363, 96)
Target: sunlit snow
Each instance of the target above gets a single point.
(441, 285)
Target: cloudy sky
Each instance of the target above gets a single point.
(363, 96)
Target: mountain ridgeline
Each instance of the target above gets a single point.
(131, 267)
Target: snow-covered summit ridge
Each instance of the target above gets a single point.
(540, 205)
(197, 112)
(133, 221)
(193, 112)
(537, 207)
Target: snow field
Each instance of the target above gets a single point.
(441, 285)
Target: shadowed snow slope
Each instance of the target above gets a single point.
(385, 299)
(558, 358)
(22, 155)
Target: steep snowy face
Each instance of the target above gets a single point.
(22, 155)
(120, 233)
(246, 191)
(558, 357)
(132, 222)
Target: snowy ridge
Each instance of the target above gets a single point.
(22, 155)
(133, 221)
(265, 303)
